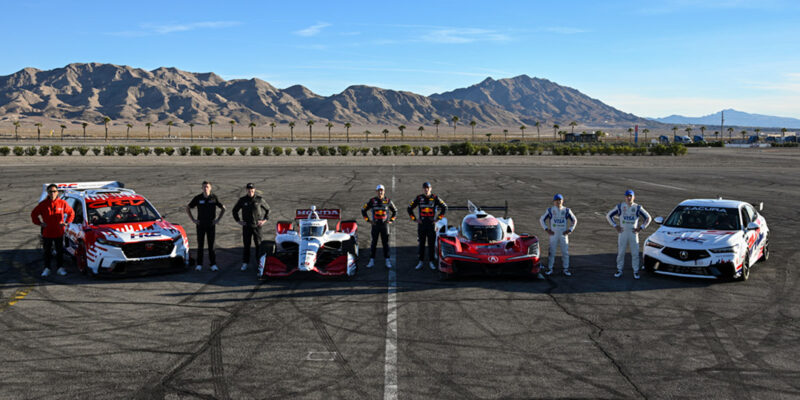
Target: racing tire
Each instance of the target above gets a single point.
(765, 253)
(745, 269)
(351, 246)
(81, 264)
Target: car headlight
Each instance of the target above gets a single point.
(728, 249)
(533, 250)
(177, 237)
(651, 243)
(106, 242)
(447, 249)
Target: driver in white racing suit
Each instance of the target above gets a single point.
(628, 228)
(556, 222)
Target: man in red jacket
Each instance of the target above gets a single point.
(53, 214)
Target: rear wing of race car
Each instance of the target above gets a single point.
(81, 186)
(472, 208)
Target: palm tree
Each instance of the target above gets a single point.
(84, 125)
(16, 127)
(455, 122)
(401, 128)
(385, 134)
(252, 137)
(232, 122)
(783, 133)
(645, 131)
(505, 135)
(148, 125)
(572, 125)
(169, 129)
(730, 133)
(472, 124)
(758, 131)
(272, 129)
(538, 133)
(62, 131)
(38, 130)
(488, 137)
(744, 134)
(106, 120)
(522, 129)
(347, 126)
(555, 130)
(688, 131)
(630, 134)
(436, 123)
(191, 131)
(366, 135)
(421, 129)
(310, 123)
(674, 131)
(703, 132)
(329, 125)
(291, 130)
(128, 127)
(716, 135)
(211, 124)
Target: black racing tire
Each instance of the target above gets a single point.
(745, 269)
(351, 246)
(765, 254)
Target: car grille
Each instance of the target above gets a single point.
(148, 249)
(718, 270)
(145, 266)
(691, 255)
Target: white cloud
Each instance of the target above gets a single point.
(163, 29)
(312, 30)
(463, 35)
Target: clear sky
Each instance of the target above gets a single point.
(651, 58)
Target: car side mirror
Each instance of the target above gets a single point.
(659, 220)
(752, 226)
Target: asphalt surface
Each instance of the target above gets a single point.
(226, 335)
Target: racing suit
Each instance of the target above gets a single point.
(426, 230)
(629, 237)
(380, 222)
(53, 213)
(253, 209)
(558, 223)
(206, 215)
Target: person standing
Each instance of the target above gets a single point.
(255, 212)
(555, 221)
(379, 205)
(53, 214)
(628, 229)
(206, 221)
(426, 223)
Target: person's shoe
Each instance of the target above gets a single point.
(214, 267)
(618, 274)
(419, 265)
(548, 271)
(388, 263)
(61, 271)
(567, 273)
(636, 275)
(199, 267)
(244, 266)
(430, 264)
(371, 263)
(46, 272)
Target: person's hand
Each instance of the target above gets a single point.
(62, 223)
(637, 230)
(241, 223)
(372, 222)
(550, 232)
(417, 221)
(261, 222)
(195, 221)
(567, 233)
(216, 221)
(44, 225)
(619, 229)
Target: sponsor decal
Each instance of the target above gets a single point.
(688, 239)
(324, 213)
(699, 208)
(114, 202)
(144, 234)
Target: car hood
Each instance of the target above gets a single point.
(694, 238)
(137, 231)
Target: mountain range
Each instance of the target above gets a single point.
(91, 91)
(736, 118)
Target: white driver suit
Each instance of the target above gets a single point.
(629, 220)
(558, 221)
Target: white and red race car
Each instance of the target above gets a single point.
(708, 238)
(485, 244)
(312, 247)
(118, 232)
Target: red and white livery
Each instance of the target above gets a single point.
(708, 238)
(485, 244)
(117, 231)
(308, 245)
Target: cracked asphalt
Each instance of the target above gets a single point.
(226, 335)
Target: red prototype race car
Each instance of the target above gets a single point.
(485, 244)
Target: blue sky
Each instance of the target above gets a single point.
(649, 58)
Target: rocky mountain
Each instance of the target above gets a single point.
(88, 92)
(735, 118)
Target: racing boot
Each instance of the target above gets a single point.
(432, 265)
(214, 267)
(567, 273)
(46, 272)
(419, 265)
(199, 267)
(244, 266)
(388, 263)
(618, 274)
(61, 271)
(371, 263)
(636, 275)
(548, 271)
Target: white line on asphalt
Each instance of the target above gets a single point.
(390, 363)
(657, 184)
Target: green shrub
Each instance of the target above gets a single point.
(18, 151)
(96, 151)
(344, 150)
(405, 149)
(109, 150)
(300, 151)
(425, 150)
(277, 150)
(311, 151)
(386, 150)
(435, 150)
(158, 151)
(169, 151)
(56, 150)
(375, 151)
(267, 150)
(255, 151)
(500, 149)
(183, 150)
(230, 151)
(194, 150)
(322, 150)
(287, 151)
(120, 150)
(5, 150)
(31, 151)
(416, 150)
(243, 151)
(83, 150)
(219, 151)
(332, 151)
(208, 151)
(484, 149)
(395, 150)
(43, 150)
(364, 151)
(463, 149)
(146, 150)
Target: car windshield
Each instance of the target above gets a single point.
(311, 230)
(701, 217)
(120, 214)
(482, 233)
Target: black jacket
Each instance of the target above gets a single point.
(253, 210)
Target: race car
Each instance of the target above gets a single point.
(118, 232)
(484, 244)
(708, 238)
(310, 246)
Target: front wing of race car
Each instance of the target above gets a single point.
(506, 257)
(327, 262)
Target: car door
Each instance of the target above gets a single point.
(74, 230)
(751, 236)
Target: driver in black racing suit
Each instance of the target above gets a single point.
(379, 205)
(426, 231)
